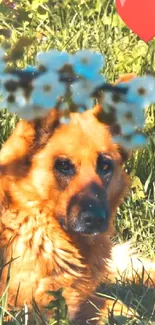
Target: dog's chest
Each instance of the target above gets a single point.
(37, 253)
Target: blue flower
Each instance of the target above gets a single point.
(2, 67)
(31, 69)
(117, 101)
(130, 114)
(2, 61)
(15, 102)
(82, 89)
(80, 95)
(139, 140)
(135, 141)
(46, 90)
(53, 60)
(127, 128)
(141, 91)
(87, 63)
(6, 79)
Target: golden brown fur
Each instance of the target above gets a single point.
(33, 197)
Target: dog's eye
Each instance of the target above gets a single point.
(65, 167)
(104, 165)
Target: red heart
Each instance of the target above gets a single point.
(139, 16)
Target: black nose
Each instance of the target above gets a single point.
(91, 222)
(92, 218)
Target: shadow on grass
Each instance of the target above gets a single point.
(136, 296)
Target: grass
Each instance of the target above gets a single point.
(71, 25)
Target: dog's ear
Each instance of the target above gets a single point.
(125, 78)
(98, 111)
(45, 126)
(18, 143)
(114, 131)
(29, 136)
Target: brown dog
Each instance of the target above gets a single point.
(59, 191)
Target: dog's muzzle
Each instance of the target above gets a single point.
(88, 216)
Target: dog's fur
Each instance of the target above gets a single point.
(40, 231)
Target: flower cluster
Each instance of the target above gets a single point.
(70, 83)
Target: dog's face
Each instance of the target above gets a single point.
(76, 173)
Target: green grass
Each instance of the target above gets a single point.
(71, 25)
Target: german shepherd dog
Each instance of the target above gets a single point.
(60, 186)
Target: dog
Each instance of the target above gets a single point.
(60, 186)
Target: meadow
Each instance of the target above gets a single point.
(72, 25)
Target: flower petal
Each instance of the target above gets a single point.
(52, 60)
(87, 63)
(46, 90)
